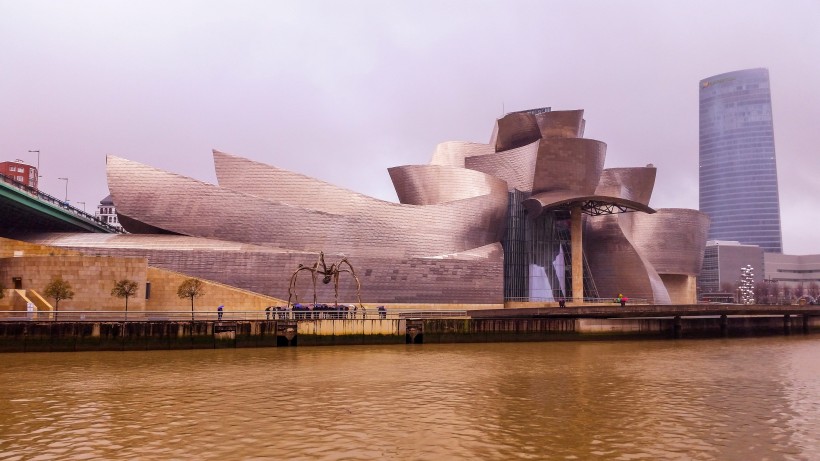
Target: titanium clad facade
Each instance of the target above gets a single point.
(480, 225)
(738, 172)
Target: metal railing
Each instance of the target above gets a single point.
(227, 316)
(58, 203)
(630, 300)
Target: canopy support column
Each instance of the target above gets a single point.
(576, 234)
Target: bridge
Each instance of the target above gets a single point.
(26, 209)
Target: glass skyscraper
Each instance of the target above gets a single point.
(738, 172)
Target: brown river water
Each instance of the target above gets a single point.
(721, 399)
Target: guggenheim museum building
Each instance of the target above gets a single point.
(530, 217)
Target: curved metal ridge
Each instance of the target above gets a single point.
(515, 166)
(453, 153)
(561, 123)
(594, 205)
(628, 183)
(345, 223)
(434, 184)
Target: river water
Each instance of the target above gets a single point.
(722, 399)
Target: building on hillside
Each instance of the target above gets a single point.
(738, 171)
(107, 212)
(20, 172)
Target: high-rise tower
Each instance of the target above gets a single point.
(738, 172)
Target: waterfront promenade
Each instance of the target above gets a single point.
(77, 331)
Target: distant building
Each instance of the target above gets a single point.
(722, 263)
(738, 172)
(778, 278)
(107, 213)
(792, 270)
(20, 172)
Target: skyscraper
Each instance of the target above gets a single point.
(738, 172)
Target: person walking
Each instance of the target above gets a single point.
(219, 312)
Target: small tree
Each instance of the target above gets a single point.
(814, 289)
(124, 289)
(58, 289)
(191, 288)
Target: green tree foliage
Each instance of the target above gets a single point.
(191, 289)
(124, 288)
(58, 289)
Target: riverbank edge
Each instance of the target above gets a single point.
(51, 336)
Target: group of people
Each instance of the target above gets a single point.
(621, 299)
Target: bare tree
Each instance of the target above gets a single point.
(761, 292)
(814, 289)
(788, 291)
(124, 288)
(191, 288)
(800, 290)
(58, 289)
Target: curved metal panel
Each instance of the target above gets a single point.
(190, 207)
(515, 166)
(616, 265)
(283, 186)
(474, 276)
(635, 184)
(673, 240)
(570, 164)
(453, 153)
(516, 130)
(561, 123)
(433, 184)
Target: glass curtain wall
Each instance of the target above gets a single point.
(537, 255)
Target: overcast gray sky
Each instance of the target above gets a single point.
(342, 90)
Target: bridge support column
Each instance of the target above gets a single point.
(724, 326)
(787, 324)
(805, 324)
(677, 329)
(577, 244)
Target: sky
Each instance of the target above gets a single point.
(343, 90)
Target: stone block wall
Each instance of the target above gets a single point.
(91, 278)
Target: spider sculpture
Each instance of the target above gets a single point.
(328, 274)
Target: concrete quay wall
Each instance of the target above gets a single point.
(51, 336)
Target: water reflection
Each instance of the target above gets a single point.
(732, 399)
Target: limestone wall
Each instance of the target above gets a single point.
(164, 284)
(682, 288)
(91, 278)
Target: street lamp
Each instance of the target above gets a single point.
(83, 206)
(66, 188)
